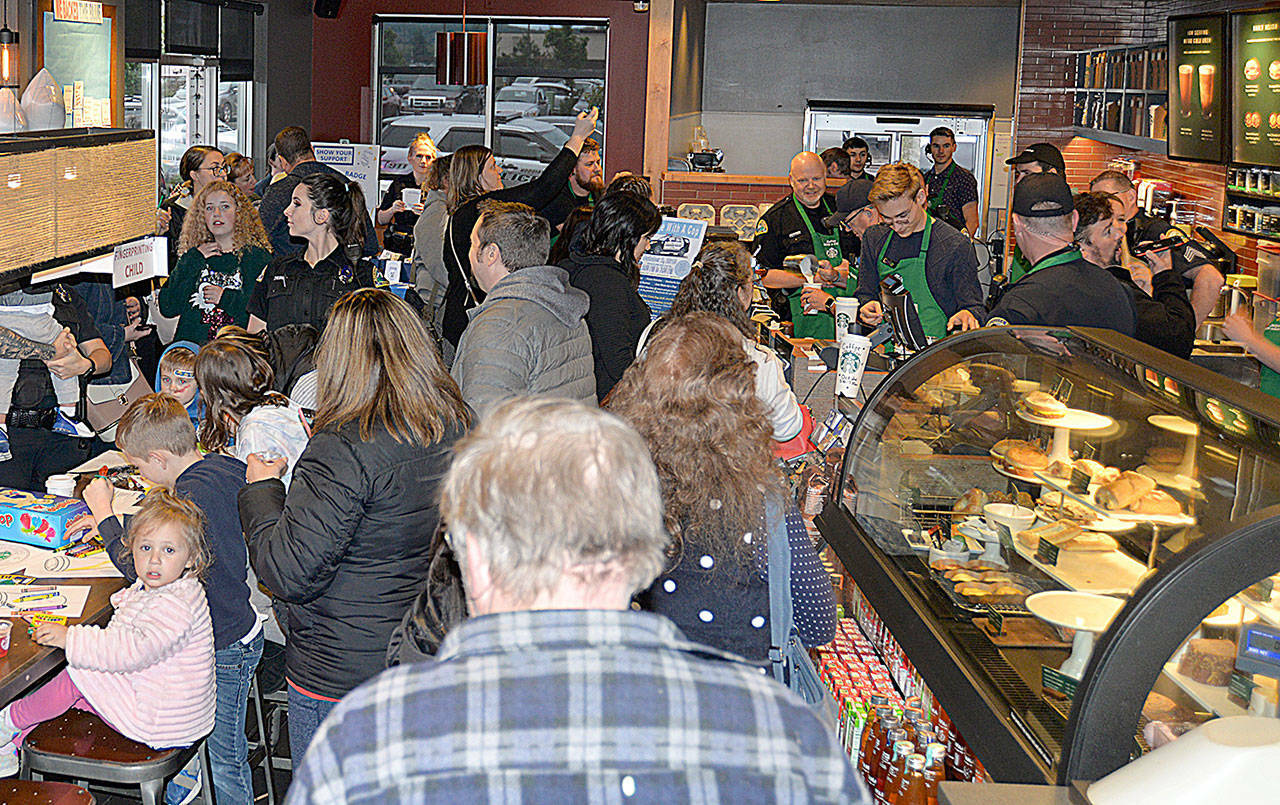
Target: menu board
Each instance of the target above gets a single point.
(1255, 67)
(1197, 56)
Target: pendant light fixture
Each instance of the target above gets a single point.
(8, 53)
(462, 58)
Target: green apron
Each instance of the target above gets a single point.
(1270, 378)
(826, 247)
(1019, 266)
(911, 269)
(1069, 256)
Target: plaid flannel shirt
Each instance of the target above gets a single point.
(574, 706)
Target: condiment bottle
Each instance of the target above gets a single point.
(913, 789)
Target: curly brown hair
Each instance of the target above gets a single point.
(722, 268)
(248, 229)
(692, 396)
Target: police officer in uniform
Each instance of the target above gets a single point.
(292, 291)
(936, 263)
(1035, 158)
(1189, 260)
(795, 225)
(1062, 289)
(37, 451)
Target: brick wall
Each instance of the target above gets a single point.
(1052, 34)
(757, 190)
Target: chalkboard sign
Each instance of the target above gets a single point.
(1197, 80)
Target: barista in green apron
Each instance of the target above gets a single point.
(1035, 158)
(821, 323)
(1265, 347)
(940, 274)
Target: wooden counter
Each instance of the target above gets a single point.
(28, 662)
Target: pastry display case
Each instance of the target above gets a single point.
(1071, 538)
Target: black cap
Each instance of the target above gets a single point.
(1042, 195)
(849, 199)
(1044, 153)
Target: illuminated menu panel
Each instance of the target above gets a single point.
(1255, 67)
(1197, 55)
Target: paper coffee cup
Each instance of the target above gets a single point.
(6, 635)
(846, 315)
(411, 196)
(64, 485)
(854, 350)
(808, 311)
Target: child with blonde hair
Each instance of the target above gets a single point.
(149, 672)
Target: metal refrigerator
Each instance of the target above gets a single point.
(900, 132)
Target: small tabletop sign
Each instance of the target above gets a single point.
(1055, 680)
(1240, 688)
(1006, 536)
(1088, 450)
(139, 260)
(1079, 483)
(1062, 389)
(994, 618)
(1046, 552)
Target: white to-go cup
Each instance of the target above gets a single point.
(63, 485)
(854, 350)
(808, 311)
(411, 196)
(846, 315)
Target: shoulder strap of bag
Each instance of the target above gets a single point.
(462, 267)
(780, 612)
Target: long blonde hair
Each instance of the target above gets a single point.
(248, 230)
(375, 364)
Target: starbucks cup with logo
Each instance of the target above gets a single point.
(846, 315)
(854, 350)
(808, 311)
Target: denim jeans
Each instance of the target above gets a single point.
(228, 746)
(305, 717)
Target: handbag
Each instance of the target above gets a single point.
(789, 658)
(106, 403)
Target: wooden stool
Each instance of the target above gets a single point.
(27, 792)
(82, 746)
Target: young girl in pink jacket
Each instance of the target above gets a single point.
(149, 673)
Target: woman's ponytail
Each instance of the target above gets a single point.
(353, 234)
(344, 200)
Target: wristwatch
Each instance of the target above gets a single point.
(829, 305)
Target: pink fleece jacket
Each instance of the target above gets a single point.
(150, 671)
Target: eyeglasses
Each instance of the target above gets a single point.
(220, 169)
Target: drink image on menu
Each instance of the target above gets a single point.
(1207, 72)
(1185, 74)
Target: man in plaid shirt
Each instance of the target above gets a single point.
(555, 690)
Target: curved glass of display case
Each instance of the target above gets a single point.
(1044, 518)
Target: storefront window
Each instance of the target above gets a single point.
(192, 115)
(541, 74)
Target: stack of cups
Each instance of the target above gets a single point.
(63, 485)
(854, 349)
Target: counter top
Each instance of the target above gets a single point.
(952, 793)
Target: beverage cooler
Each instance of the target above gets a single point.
(900, 132)
(1065, 541)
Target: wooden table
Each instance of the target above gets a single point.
(28, 662)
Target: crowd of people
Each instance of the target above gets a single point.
(503, 461)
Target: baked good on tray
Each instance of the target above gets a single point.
(1043, 405)
(1159, 707)
(1025, 460)
(971, 502)
(1208, 661)
(1125, 490)
(1057, 532)
(1157, 501)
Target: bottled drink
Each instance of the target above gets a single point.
(901, 751)
(883, 747)
(913, 789)
(934, 771)
(872, 742)
(893, 738)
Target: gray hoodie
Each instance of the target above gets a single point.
(529, 336)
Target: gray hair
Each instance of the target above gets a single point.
(1054, 226)
(544, 485)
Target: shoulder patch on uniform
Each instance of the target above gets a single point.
(762, 226)
(996, 321)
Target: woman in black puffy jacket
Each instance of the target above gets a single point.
(348, 547)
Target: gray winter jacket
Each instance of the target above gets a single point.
(529, 336)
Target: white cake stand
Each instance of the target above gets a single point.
(1074, 419)
(1087, 613)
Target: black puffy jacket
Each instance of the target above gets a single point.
(347, 548)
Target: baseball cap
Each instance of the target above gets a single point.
(849, 199)
(1042, 195)
(1043, 153)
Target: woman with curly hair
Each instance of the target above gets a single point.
(691, 395)
(224, 248)
(720, 283)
